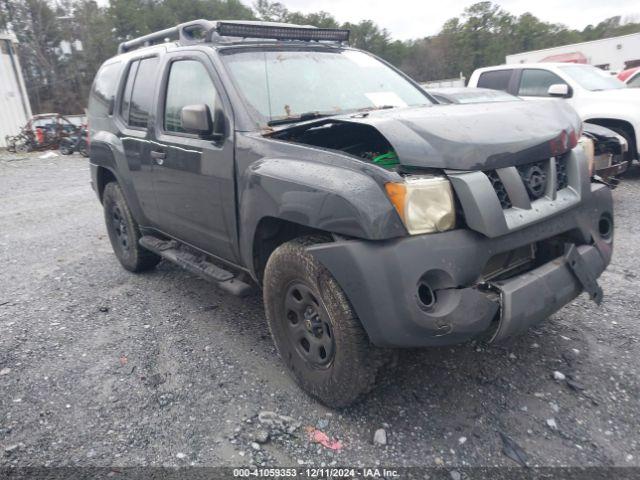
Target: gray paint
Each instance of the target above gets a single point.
(381, 278)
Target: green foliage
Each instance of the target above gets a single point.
(57, 81)
(484, 34)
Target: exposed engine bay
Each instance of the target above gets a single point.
(461, 137)
(360, 140)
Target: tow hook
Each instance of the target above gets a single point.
(582, 273)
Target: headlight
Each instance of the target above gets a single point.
(425, 204)
(589, 149)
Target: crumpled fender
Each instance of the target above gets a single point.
(321, 196)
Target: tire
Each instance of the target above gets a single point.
(303, 302)
(65, 150)
(124, 232)
(628, 136)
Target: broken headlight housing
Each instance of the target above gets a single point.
(425, 203)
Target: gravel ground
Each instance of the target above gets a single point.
(101, 367)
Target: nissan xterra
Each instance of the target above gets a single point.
(372, 218)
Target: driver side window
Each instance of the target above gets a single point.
(189, 84)
(536, 82)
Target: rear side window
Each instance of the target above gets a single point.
(536, 82)
(128, 88)
(496, 79)
(104, 87)
(137, 97)
(189, 84)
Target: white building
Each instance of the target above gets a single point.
(615, 54)
(15, 110)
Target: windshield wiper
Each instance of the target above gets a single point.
(379, 107)
(303, 117)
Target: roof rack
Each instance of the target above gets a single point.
(201, 31)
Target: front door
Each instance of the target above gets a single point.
(193, 176)
(535, 82)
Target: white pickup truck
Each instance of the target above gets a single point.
(597, 96)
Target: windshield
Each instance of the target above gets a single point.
(290, 83)
(592, 78)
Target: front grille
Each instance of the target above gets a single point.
(506, 264)
(561, 173)
(498, 186)
(534, 177)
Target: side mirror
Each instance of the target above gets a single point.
(559, 90)
(197, 119)
(219, 125)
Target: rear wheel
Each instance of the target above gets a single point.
(124, 232)
(315, 329)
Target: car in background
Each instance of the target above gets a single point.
(42, 132)
(631, 77)
(609, 147)
(597, 96)
(448, 95)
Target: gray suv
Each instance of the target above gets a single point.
(274, 156)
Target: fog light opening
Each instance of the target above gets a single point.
(426, 295)
(605, 227)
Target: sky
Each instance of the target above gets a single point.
(406, 19)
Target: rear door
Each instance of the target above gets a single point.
(132, 118)
(497, 80)
(193, 177)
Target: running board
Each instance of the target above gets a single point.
(170, 250)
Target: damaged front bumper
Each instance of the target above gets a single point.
(429, 290)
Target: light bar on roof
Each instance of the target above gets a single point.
(246, 30)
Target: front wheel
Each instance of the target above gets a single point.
(124, 232)
(631, 144)
(315, 329)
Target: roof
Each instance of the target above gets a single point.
(510, 66)
(608, 39)
(623, 75)
(8, 36)
(228, 31)
(573, 57)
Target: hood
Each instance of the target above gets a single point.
(598, 131)
(470, 137)
(618, 94)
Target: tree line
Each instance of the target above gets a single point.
(62, 45)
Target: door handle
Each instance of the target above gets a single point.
(158, 156)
